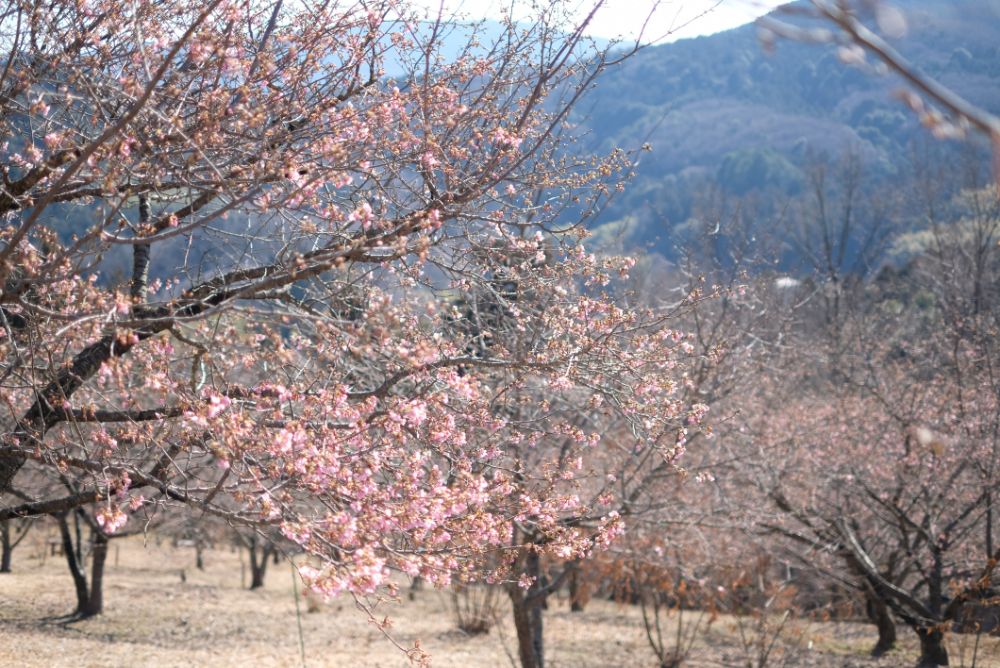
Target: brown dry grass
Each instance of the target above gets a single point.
(154, 619)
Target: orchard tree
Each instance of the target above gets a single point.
(261, 549)
(881, 450)
(573, 456)
(678, 520)
(903, 509)
(280, 348)
(12, 532)
(85, 529)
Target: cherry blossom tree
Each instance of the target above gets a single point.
(878, 447)
(237, 256)
(576, 457)
(670, 509)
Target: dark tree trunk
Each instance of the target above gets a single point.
(79, 539)
(89, 600)
(524, 623)
(199, 556)
(8, 546)
(95, 601)
(575, 595)
(878, 613)
(258, 562)
(69, 550)
(527, 607)
(416, 585)
(932, 650)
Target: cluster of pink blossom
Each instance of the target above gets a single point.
(387, 363)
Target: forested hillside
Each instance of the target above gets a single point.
(721, 113)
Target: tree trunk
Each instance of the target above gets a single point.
(8, 546)
(575, 595)
(89, 600)
(878, 613)
(416, 585)
(527, 608)
(258, 563)
(95, 601)
(79, 539)
(932, 650)
(79, 577)
(199, 556)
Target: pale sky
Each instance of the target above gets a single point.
(673, 19)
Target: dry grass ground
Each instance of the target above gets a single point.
(152, 618)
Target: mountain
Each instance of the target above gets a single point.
(720, 110)
(725, 117)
